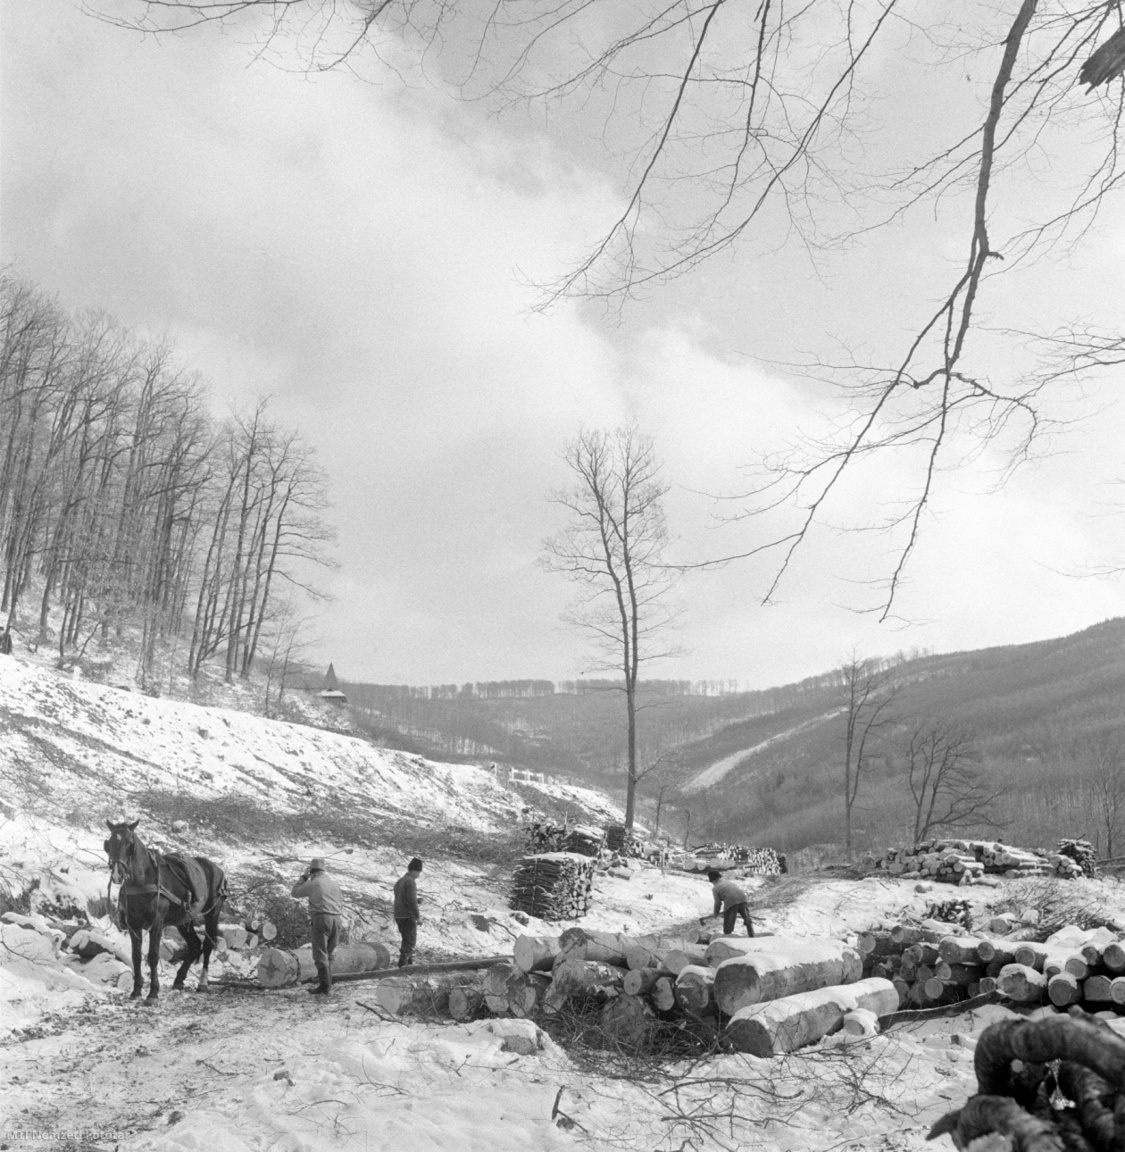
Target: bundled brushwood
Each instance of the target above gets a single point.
(280, 967)
(543, 835)
(553, 886)
(788, 967)
(622, 840)
(792, 1022)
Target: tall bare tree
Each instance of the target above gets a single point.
(868, 698)
(1103, 757)
(948, 787)
(614, 549)
(734, 121)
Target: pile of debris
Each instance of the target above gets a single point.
(553, 885)
(953, 861)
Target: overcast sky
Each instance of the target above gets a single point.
(361, 254)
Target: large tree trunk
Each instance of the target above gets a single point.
(579, 944)
(280, 967)
(787, 968)
(794, 1022)
(650, 951)
(679, 958)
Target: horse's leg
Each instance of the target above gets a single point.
(193, 949)
(135, 942)
(210, 927)
(154, 935)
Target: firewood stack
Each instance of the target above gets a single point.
(585, 841)
(966, 861)
(553, 885)
(621, 840)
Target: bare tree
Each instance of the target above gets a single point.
(869, 695)
(947, 784)
(728, 116)
(614, 548)
(1104, 759)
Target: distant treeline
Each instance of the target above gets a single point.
(367, 694)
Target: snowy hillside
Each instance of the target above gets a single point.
(242, 1069)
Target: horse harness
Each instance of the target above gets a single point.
(163, 865)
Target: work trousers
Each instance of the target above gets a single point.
(408, 929)
(731, 915)
(325, 934)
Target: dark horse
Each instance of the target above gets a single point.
(159, 890)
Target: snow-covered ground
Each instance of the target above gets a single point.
(242, 1069)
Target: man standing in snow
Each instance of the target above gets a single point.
(326, 906)
(731, 900)
(407, 916)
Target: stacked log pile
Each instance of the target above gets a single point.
(553, 885)
(757, 861)
(930, 968)
(585, 841)
(967, 861)
(766, 995)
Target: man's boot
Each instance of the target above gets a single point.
(325, 984)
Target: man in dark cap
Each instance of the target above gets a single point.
(407, 915)
(731, 900)
(326, 906)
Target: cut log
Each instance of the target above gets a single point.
(1004, 951)
(526, 991)
(235, 935)
(650, 951)
(268, 931)
(694, 990)
(960, 949)
(861, 1023)
(726, 947)
(1113, 957)
(280, 967)
(583, 979)
(627, 1023)
(1064, 989)
(639, 981)
(467, 1003)
(496, 1005)
(535, 953)
(580, 944)
(1032, 954)
(663, 994)
(787, 968)
(679, 958)
(496, 978)
(423, 969)
(1096, 989)
(793, 1022)
(1077, 965)
(1022, 983)
(420, 995)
